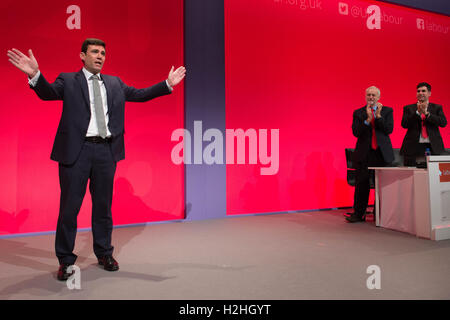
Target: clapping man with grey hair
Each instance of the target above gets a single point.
(372, 125)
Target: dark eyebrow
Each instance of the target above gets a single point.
(96, 51)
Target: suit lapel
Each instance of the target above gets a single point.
(84, 88)
(363, 111)
(431, 107)
(431, 110)
(108, 85)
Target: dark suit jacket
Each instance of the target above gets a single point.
(383, 128)
(72, 89)
(413, 122)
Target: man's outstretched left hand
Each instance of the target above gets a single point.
(176, 76)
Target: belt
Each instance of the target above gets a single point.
(98, 139)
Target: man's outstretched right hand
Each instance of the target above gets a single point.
(24, 63)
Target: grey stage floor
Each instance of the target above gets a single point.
(314, 255)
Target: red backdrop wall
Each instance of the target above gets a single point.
(144, 39)
(294, 65)
(302, 66)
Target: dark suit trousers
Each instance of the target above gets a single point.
(362, 177)
(97, 165)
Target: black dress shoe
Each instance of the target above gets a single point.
(108, 263)
(355, 218)
(63, 275)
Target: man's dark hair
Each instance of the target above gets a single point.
(424, 84)
(92, 41)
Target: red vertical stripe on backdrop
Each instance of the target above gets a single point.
(302, 66)
(144, 38)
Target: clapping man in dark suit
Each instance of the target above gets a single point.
(89, 142)
(422, 121)
(372, 125)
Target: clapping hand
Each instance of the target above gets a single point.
(422, 107)
(378, 112)
(369, 113)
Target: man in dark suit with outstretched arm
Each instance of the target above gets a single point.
(372, 125)
(422, 121)
(89, 142)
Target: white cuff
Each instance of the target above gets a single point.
(32, 82)
(168, 86)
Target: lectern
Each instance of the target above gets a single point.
(415, 200)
